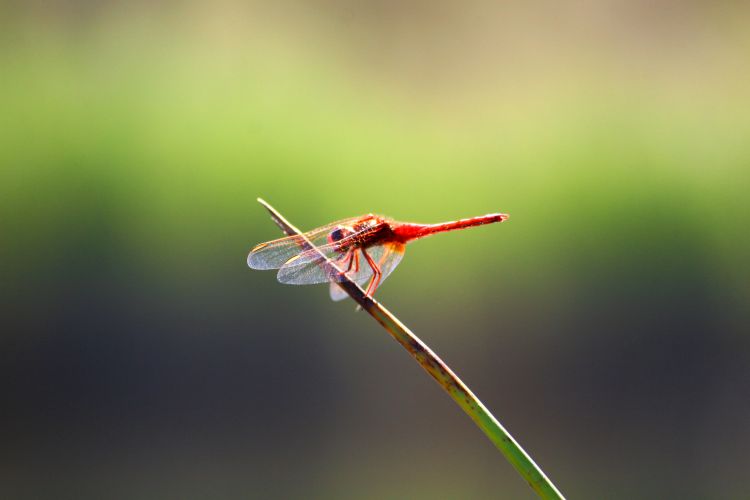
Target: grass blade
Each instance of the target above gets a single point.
(444, 376)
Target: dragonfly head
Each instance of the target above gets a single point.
(338, 234)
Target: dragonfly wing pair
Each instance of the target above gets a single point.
(298, 264)
(274, 254)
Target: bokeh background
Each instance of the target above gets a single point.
(605, 324)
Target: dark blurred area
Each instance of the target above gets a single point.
(605, 325)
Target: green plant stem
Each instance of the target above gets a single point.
(457, 390)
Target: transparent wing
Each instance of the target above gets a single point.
(274, 254)
(311, 267)
(387, 256)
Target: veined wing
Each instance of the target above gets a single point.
(274, 254)
(387, 257)
(311, 266)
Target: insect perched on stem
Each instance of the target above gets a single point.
(364, 248)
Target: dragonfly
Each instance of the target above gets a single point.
(365, 249)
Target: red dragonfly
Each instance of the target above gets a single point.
(365, 248)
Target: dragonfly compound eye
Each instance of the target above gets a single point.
(337, 234)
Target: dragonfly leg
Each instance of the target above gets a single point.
(376, 274)
(347, 261)
(356, 261)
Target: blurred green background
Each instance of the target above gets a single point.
(605, 324)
